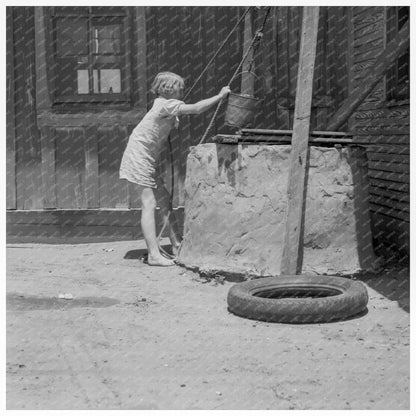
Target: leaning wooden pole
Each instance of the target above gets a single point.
(293, 243)
(371, 77)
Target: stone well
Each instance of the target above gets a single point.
(236, 203)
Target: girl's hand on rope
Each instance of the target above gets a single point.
(224, 91)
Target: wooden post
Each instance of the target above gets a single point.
(371, 77)
(293, 243)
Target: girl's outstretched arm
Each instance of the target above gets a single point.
(203, 105)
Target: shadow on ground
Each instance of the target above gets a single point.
(141, 254)
(393, 283)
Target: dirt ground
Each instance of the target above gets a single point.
(140, 337)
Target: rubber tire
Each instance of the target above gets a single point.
(351, 300)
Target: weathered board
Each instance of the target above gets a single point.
(293, 243)
(384, 124)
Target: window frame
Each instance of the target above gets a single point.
(125, 96)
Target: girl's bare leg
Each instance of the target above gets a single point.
(149, 229)
(163, 198)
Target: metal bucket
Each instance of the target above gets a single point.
(240, 110)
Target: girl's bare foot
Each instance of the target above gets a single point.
(159, 260)
(175, 249)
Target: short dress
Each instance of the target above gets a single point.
(145, 144)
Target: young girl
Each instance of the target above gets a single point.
(142, 154)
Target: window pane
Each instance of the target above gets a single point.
(71, 36)
(107, 81)
(107, 39)
(83, 81)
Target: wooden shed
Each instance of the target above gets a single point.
(78, 81)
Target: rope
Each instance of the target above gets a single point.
(218, 51)
(254, 43)
(186, 96)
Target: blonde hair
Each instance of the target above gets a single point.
(165, 83)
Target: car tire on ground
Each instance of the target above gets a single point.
(298, 298)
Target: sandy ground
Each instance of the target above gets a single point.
(137, 337)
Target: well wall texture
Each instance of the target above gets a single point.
(236, 205)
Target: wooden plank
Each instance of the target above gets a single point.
(247, 80)
(70, 168)
(293, 45)
(28, 153)
(390, 194)
(10, 114)
(342, 57)
(371, 78)
(47, 137)
(283, 70)
(57, 234)
(112, 141)
(321, 86)
(288, 132)
(389, 185)
(388, 157)
(59, 226)
(42, 90)
(371, 37)
(91, 167)
(367, 48)
(390, 203)
(76, 217)
(383, 138)
(332, 57)
(385, 124)
(140, 98)
(389, 149)
(22, 200)
(389, 166)
(389, 176)
(89, 118)
(370, 17)
(377, 131)
(372, 28)
(390, 212)
(391, 115)
(293, 244)
(281, 139)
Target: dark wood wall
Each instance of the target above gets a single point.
(68, 158)
(383, 122)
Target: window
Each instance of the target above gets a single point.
(90, 54)
(397, 80)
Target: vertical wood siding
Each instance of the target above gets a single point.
(74, 164)
(27, 139)
(71, 161)
(10, 126)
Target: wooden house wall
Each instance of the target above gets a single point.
(385, 124)
(69, 159)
